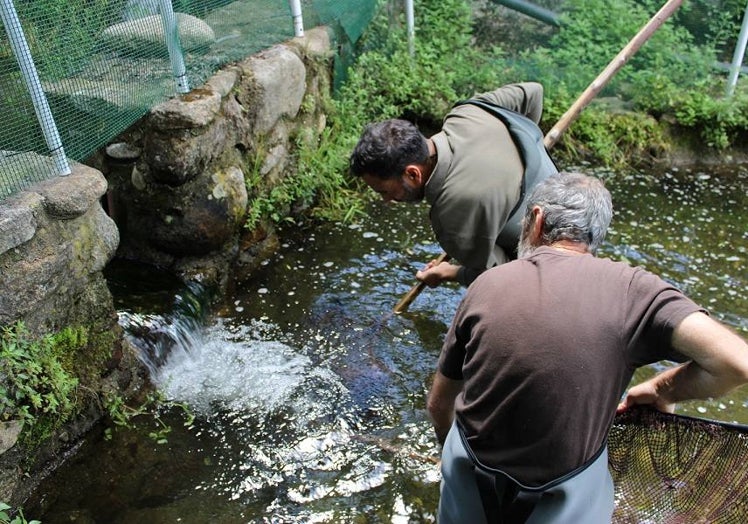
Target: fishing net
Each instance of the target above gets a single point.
(675, 469)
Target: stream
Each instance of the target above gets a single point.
(301, 397)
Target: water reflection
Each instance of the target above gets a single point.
(309, 394)
(691, 229)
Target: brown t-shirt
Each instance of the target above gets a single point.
(546, 347)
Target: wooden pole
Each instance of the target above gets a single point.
(408, 297)
(576, 108)
(603, 78)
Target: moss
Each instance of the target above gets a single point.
(47, 376)
(93, 359)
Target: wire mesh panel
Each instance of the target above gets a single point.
(676, 469)
(104, 63)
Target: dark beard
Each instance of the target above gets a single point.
(412, 194)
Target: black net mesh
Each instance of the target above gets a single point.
(677, 469)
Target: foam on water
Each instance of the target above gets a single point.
(275, 416)
(238, 375)
(240, 369)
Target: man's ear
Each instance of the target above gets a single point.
(413, 175)
(536, 227)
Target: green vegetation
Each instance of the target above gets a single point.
(123, 415)
(669, 84)
(46, 381)
(63, 35)
(670, 81)
(41, 386)
(35, 387)
(6, 518)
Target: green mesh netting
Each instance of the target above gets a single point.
(102, 64)
(678, 470)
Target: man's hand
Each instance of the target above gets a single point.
(434, 273)
(719, 363)
(645, 393)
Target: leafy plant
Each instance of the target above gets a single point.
(122, 415)
(697, 109)
(669, 80)
(388, 81)
(35, 387)
(6, 518)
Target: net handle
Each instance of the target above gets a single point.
(612, 68)
(576, 108)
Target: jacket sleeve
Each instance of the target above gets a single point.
(525, 98)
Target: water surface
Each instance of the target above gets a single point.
(309, 394)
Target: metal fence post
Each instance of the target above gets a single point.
(171, 32)
(410, 20)
(298, 22)
(30, 75)
(737, 59)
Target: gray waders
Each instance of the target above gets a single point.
(472, 493)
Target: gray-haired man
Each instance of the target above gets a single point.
(541, 351)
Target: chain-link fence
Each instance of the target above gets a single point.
(76, 73)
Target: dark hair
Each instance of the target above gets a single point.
(575, 207)
(386, 147)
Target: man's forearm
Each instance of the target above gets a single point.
(719, 364)
(719, 359)
(690, 381)
(440, 404)
(663, 392)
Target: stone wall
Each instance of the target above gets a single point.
(171, 192)
(55, 240)
(178, 179)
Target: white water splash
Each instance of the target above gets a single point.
(234, 369)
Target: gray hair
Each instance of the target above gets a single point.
(575, 207)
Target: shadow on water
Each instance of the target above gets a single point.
(309, 395)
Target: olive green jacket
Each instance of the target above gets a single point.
(477, 179)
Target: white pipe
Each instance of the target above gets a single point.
(737, 59)
(171, 34)
(410, 18)
(31, 77)
(298, 22)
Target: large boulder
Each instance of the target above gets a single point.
(146, 36)
(195, 218)
(55, 239)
